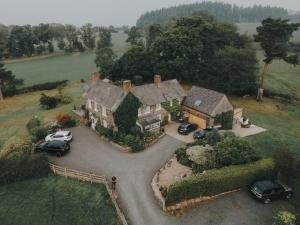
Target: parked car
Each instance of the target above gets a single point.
(186, 128)
(54, 147)
(60, 136)
(200, 134)
(267, 190)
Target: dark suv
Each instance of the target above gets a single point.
(187, 128)
(267, 190)
(54, 147)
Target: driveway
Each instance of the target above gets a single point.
(171, 130)
(134, 173)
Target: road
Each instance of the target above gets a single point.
(134, 173)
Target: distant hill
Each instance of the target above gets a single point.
(221, 11)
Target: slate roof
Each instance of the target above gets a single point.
(106, 94)
(150, 94)
(207, 101)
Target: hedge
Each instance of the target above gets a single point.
(217, 181)
(23, 166)
(42, 86)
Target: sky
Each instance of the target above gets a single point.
(99, 12)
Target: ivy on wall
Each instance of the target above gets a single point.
(126, 115)
(225, 119)
(173, 110)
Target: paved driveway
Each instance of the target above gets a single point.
(134, 173)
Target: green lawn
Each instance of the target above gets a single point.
(56, 201)
(282, 121)
(70, 67)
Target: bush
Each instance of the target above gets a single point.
(225, 119)
(284, 218)
(65, 120)
(182, 157)
(23, 166)
(137, 145)
(234, 151)
(104, 131)
(64, 99)
(48, 102)
(217, 181)
(33, 123)
(38, 133)
(16, 145)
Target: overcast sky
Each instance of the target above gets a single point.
(99, 12)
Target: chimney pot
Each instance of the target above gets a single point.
(95, 76)
(157, 80)
(127, 86)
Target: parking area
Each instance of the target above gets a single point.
(171, 130)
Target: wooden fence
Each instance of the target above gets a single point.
(92, 178)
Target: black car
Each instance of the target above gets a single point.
(267, 190)
(187, 128)
(54, 147)
(200, 134)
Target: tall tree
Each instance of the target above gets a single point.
(134, 36)
(104, 60)
(152, 33)
(3, 39)
(88, 36)
(104, 38)
(274, 37)
(44, 35)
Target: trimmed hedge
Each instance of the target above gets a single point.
(42, 86)
(217, 181)
(23, 166)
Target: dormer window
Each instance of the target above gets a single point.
(198, 103)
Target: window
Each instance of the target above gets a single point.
(140, 112)
(104, 123)
(158, 107)
(146, 109)
(104, 111)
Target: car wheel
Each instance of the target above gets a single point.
(288, 196)
(267, 201)
(58, 154)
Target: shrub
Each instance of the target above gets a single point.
(225, 119)
(104, 131)
(23, 166)
(150, 136)
(128, 139)
(15, 145)
(217, 181)
(33, 123)
(213, 137)
(285, 164)
(182, 157)
(137, 145)
(38, 133)
(48, 102)
(234, 151)
(284, 218)
(65, 120)
(64, 99)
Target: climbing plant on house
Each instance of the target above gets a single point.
(126, 115)
(173, 110)
(225, 119)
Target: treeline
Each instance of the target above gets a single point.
(196, 50)
(221, 11)
(27, 40)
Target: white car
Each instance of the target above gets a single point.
(60, 136)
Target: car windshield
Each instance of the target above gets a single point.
(257, 189)
(69, 134)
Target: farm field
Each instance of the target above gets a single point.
(73, 66)
(57, 201)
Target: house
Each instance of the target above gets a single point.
(104, 97)
(202, 105)
(151, 97)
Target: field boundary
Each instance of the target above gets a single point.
(92, 178)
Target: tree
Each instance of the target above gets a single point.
(88, 36)
(104, 38)
(274, 36)
(152, 33)
(126, 115)
(285, 164)
(104, 60)
(48, 102)
(3, 39)
(44, 36)
(8, 82)
(134, 36)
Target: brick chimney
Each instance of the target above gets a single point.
(157, 80)
(127, 86)
(95, 76)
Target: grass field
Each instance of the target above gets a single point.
(62, 67)
(15, 112)
(56, 201)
